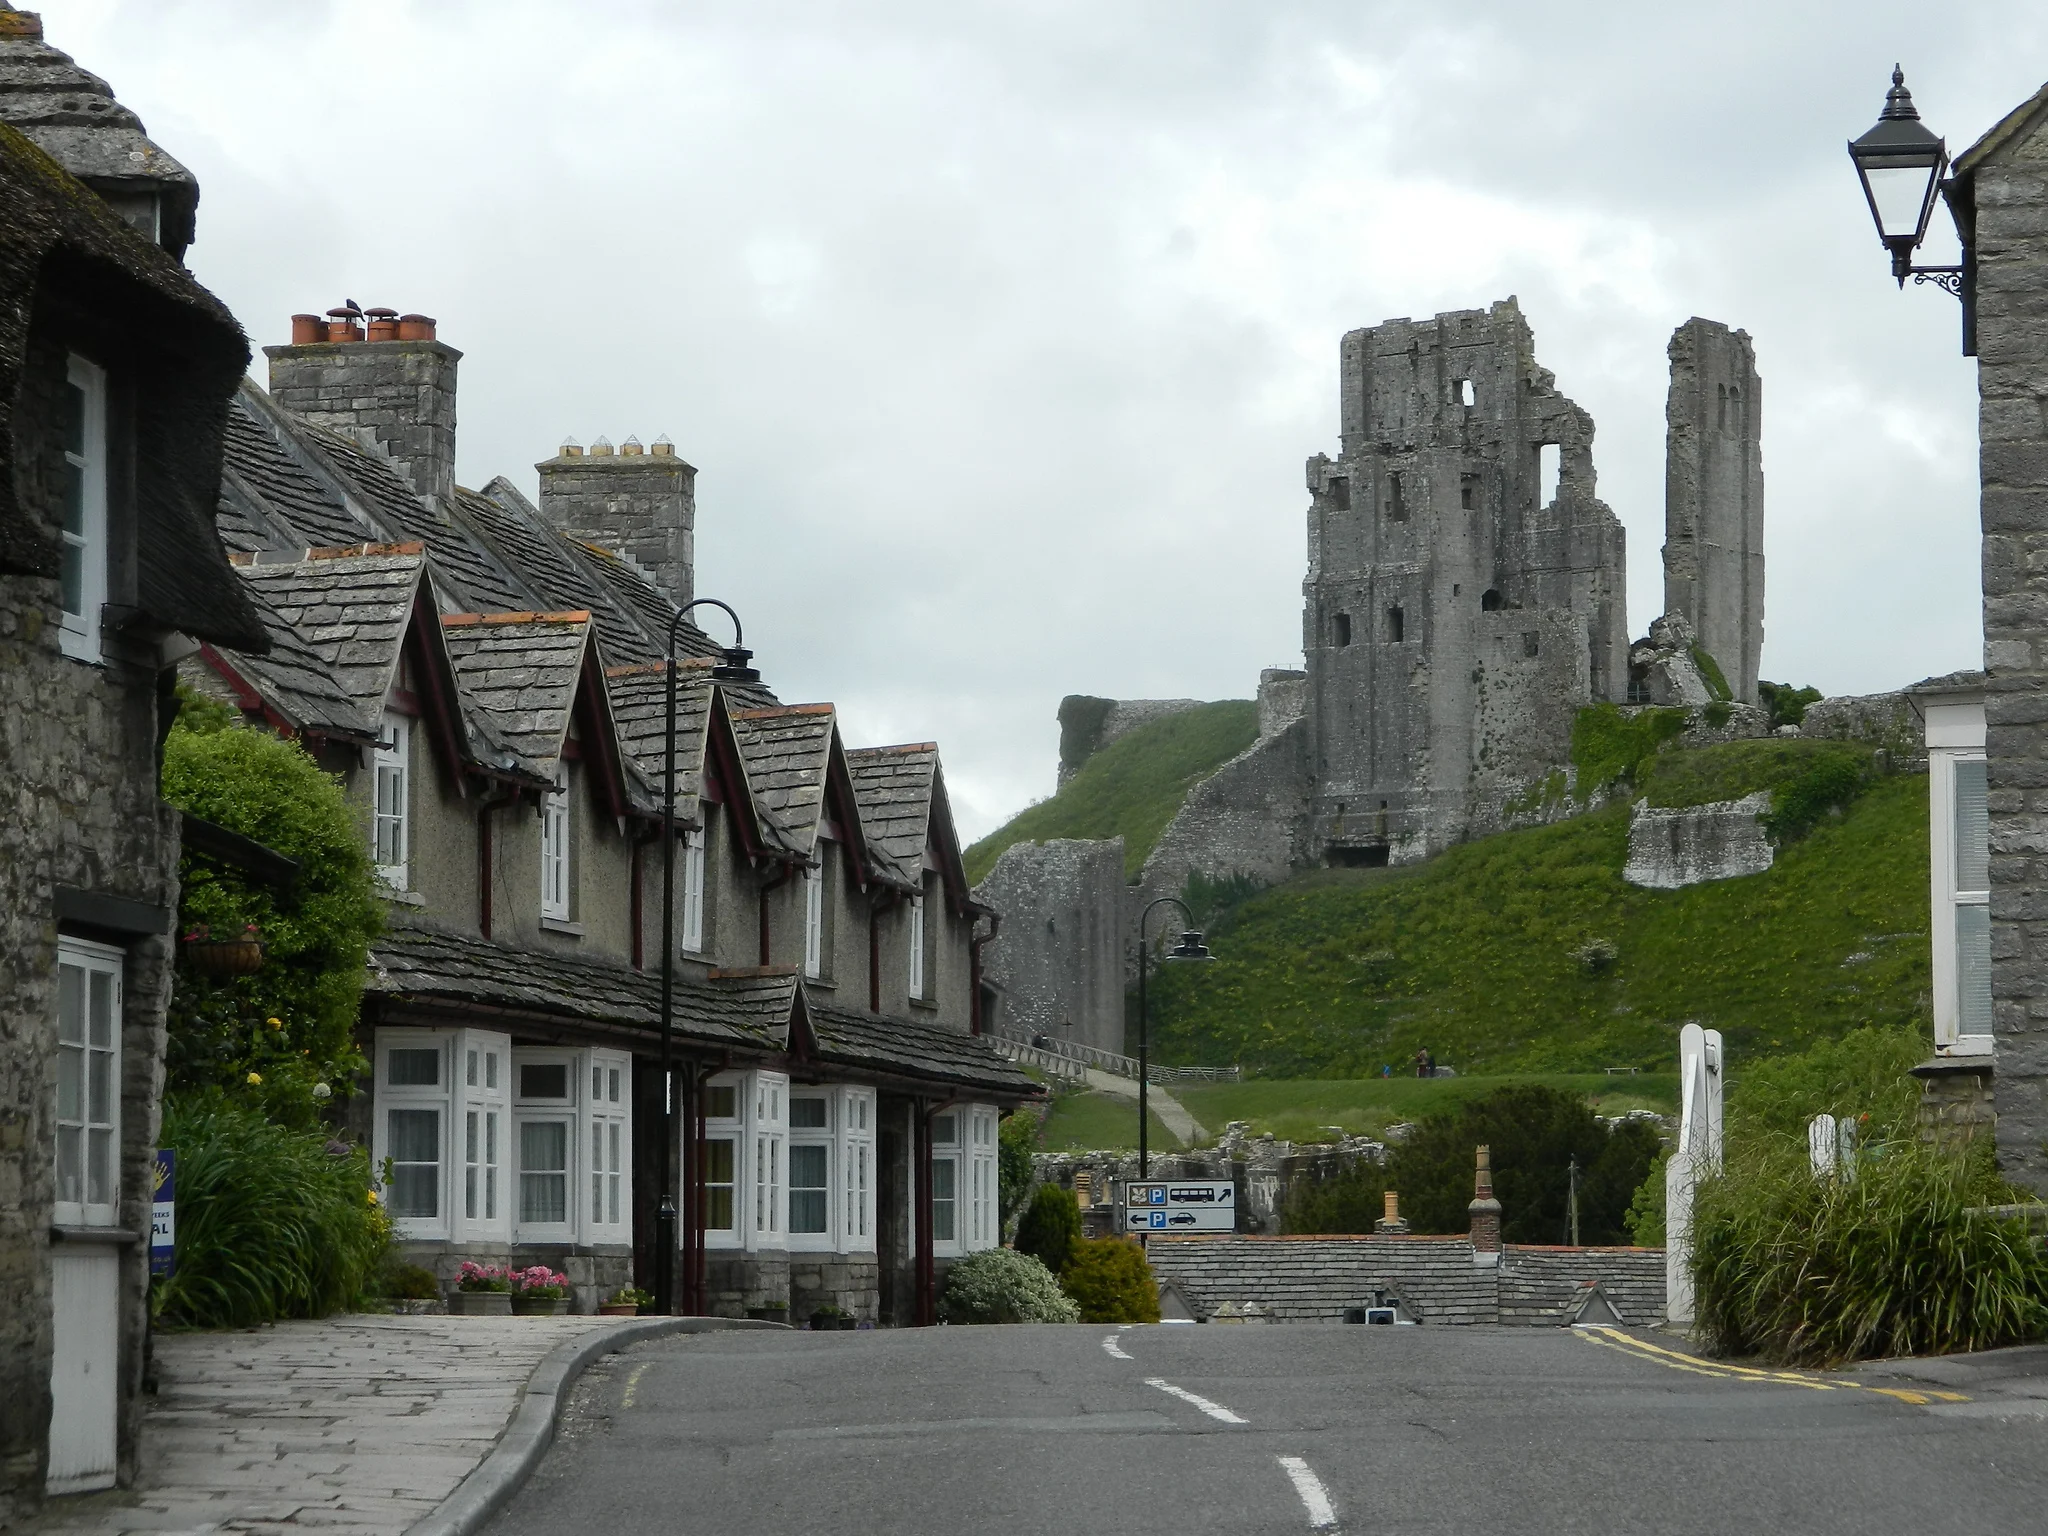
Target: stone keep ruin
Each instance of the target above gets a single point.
(1466, 596)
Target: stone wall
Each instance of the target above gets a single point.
(1088, 724)
(397, 395)
(1885, 721)
(1714, 497)
(1059, 956)
(1247, 820)
(1670, 849)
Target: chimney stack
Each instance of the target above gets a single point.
(388, 383)
(1392, 1224)
(640, 502)
(1485, 1212)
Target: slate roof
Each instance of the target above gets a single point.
(517, 674)
(352, 611)
(639, 701)
(273, 490)
(298, 680)
(893, 787)
(915, 1049)
(787, 752)
(541, 558)
(1313, 1279)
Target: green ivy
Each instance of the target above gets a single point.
(1712, 675)
(1608, 744)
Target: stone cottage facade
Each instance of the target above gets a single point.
(116, 369)
(485, 677)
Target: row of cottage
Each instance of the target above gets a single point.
(487, 678)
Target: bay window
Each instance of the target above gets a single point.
(810, 1170)
(857, 1159)
(88, 1121)
(981, 1180)
(543, 1129)
(946, 1182)
(770, 1136)
(82, 573)
(486, 1071)
(413, 1092)
(610, 1139)
(722, 1132)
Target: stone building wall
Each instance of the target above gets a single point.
(1059, 956)
(1714, 497)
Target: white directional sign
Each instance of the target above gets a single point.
(1180, 1205)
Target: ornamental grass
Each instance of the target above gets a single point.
(272, 1223)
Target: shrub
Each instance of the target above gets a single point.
(1820, 1271)
(1863, 1073)
(1001, 1285)
(1645, 1219)
(1349, 1202)
(1786, 703)
(408, 1282)
(276, 1035)
(1051, 1227)
(272, 1222)
(1826, 787)
(1609, 745)
(1110, 1282)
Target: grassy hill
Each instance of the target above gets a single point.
(1481, 953)
(1132, 787)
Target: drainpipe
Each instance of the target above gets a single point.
(766, 887)
(974, 1018)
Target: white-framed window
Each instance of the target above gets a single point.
(771, 1135)
(693, 891)
(723, 1129)
(82, 578)
(857, 1161)
(917, 976)
(1959, 833)
(814, 921)
(554, 847)
(544, 1126)
(811, 1145)
(88, 1083)
(608, 1133)
(981, 1224)
(391, 833)
(486, 1119)
(946, 1182)
(411, 1132)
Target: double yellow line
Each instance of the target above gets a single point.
(1671, 1359)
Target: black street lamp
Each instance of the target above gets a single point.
(1190, 947)
(731, 668)
(1901, 163)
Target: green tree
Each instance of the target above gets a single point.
(1051, 1227)
(270, 1037)
(1015, 1144)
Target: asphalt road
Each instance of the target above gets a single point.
(1257, 1429)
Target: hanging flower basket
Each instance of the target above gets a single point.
(224, 957)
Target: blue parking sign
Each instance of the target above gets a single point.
(1159, 1218)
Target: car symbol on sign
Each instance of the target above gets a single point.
(1183, 1218)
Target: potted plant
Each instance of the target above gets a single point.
(481, 1290)
(770, 1312)
(829, 1318)
(539, 1291)
(224, 957)
(626, 1301)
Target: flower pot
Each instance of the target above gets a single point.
(768, 1314)
(539, 1306)
(225, 957)
(619, 1309)
(480, 1303)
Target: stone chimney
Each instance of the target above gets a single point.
(640, 502)
(1393, 1223)
(1485, 1214)
(380, 378)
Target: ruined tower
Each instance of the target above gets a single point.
(1714, 497)
(1466, 590)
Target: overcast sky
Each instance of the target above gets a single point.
(999, 333)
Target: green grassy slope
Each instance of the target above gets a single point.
(1131, 787)
(1472, 953)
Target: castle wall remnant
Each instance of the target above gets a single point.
(1088, 724)
(1459, 609)
(1714, 497)
(1669, 849)
(1060, 955)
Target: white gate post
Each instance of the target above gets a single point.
(1698, 1152)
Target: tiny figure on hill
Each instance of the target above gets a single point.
(1425, 1064)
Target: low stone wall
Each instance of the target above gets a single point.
(850, 1282)
(1671, 849)
(594, 1273)
(1885, 721)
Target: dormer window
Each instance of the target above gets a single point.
(693, 891)
(83, 574)
(917, 976)
(814, 921)
(392, 834)
(554, 848)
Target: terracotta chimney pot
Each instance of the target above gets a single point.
(308, 329)
(415, 328)
(383, 324)
(344, 330)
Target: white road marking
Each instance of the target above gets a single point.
(1214, 1410)
(1315, 1498)
(1116, 1350)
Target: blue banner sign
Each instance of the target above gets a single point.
(163, 1213)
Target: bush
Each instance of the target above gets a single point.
(1786, 703)
(1824, 789)
(1820, 1271)
(1609, 745)
(1863, 1073)
(1051, 1227)
(1110, 1282)
(277, 1034)
(271, 1222)
(408, 1282)
(1001, 1285)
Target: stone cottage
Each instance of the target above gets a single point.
(116, 369)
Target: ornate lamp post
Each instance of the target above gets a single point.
(1190, 947)
(732, 668)
(1900, 163)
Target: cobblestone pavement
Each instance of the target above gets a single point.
(353, 1424)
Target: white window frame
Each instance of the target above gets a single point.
(950, 1155)
(917, 976)
(981, 1229)
(91, 1127)
(438, 1097)
(732, 1130)
(824, 1139)
(78, 635)
(1955, 735)
(482, 1209)
(814, 920)
(556, 812)
(568, 1112)
(607, 1132)
(768, 1127)
(856, 1207)
(693, 891)
(391, 802)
